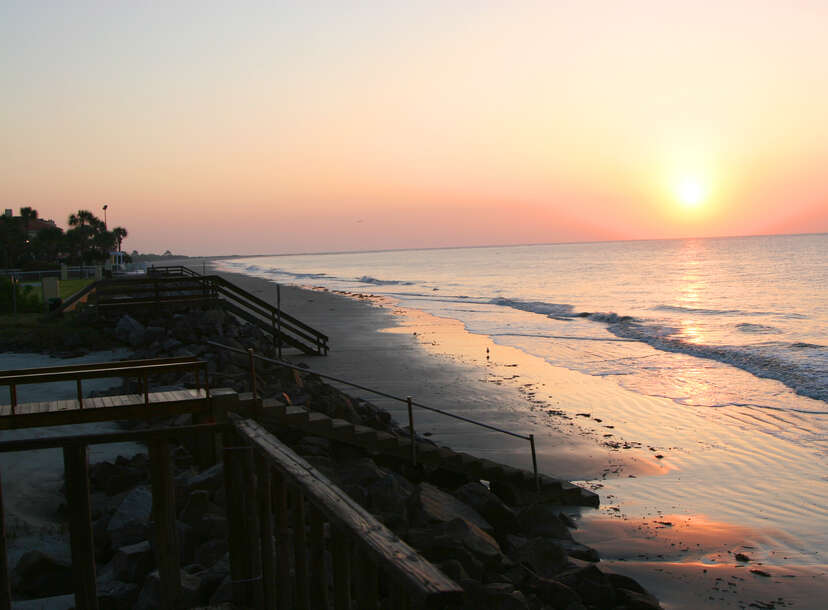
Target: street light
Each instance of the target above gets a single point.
(106, 205)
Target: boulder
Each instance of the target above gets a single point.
(543, 520)
(458, 539)
(555, 593)
(198, 502)
(210, 552)
(209, 480)
(492, 508)
(133, 562)
(117, 595)
(543, 556)
(130, 522)
(40, 574)
(126, 326)
(580, 551)
(150, 596)
(431, 505)
(592, 586)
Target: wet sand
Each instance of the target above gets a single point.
(588, 429)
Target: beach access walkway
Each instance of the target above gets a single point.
(177, 287)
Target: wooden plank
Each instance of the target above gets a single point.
(167, 555)
(318, 572)
(341, 557)
(236, 521)
(369, 585)
(282, 540)
(82, 541)
(253, 540)
(265, 497)
(5, 590)
(300, 550)
(419, 577)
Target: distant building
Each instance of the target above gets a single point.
(36, 225)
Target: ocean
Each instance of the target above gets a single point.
(718, 348)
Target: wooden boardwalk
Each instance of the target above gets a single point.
(106, 408)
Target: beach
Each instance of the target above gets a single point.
(591, 430)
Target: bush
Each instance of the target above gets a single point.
(28, 299)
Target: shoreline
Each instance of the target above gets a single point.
(438, 362)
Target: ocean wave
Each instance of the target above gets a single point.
(367, 279)
(758, 329)
(547, 309)
(806, 378)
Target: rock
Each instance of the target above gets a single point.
(387, 498)
(150, 596)
(633, 600)
(210, 552)
(580, 551)
(117, 595)
(210, 480)
(197, 505)
(224, 592)
(431, 505)
(592, 586)
(453, 569)
(40, 574)
(488, 505)
(543, 520)
(458, 539)
(555, 593)
(212, 525)
(154, 333)
(543, 556)
(115, 478)
(130, 522)
(126, 326)
(133, 562)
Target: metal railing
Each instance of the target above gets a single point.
(407, 400)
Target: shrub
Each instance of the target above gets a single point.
(28, 299)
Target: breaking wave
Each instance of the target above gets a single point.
(367, 279)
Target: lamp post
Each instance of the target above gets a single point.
(106, 205)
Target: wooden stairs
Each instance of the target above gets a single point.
(278, 413)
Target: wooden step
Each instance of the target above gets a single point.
(318, 422)
(295, 416)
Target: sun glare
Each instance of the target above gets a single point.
(691, 192)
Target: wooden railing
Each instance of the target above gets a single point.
(182, 286)
(271, 491)
(139, 369)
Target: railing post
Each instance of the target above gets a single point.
(5, 590)
(80, 395)
(240, 569)
(252, 372)
(318, 573)
(411, 431)
(341, 552)
(13, 397)
(300, 551)
(282, 541)
(534, 461)
(279, 320)
(80, 525)
(163, 514)
(265, 497)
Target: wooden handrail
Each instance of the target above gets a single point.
(419, 582)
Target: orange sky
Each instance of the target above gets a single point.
(216, 128)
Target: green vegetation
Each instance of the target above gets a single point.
(70, 287)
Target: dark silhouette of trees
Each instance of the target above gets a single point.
(87, 241)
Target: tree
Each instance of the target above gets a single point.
(88, 240)
(120, 234)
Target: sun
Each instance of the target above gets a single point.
(691, 192)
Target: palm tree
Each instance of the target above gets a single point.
(120, 234)
(27, 214)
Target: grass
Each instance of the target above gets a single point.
(70, 287)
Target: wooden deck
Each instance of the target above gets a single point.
(105, 408)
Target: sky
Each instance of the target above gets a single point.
(246, 127)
